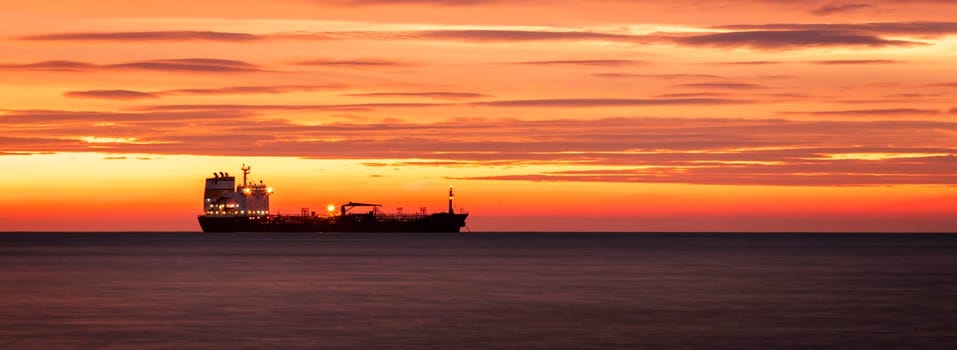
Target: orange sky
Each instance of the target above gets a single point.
(546, 115)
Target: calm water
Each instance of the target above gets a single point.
(477, 291)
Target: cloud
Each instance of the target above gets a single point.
(756, 36)
(44, 117)
(871, 112)
(23, 153)
(20, 145)
(658, 76)
(490, 35)
(110, 94)
(833, 8)
(474, 35)
(597, 62)
(748, 175)
(765, 36)
(259, 108)
(210, 65)
(749, 63)
(558, 102)
(442, 95)
(352, 63)
(911, 95)
(200, 65)
(749, 37)
(723, 86)
(174, 35)
(843, 62)
(693, 95)
(608, 102)
(426, 2)
(929, 29)
(242, 90)
(187, 35)
(56, 65)
(444, 163)
(228, 90)
(818, 62)
(675, 150)
(780, 39)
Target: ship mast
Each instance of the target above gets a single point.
(450, 200)
(245, 169)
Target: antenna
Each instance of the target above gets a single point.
(245, 170)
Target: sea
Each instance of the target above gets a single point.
(478, 291)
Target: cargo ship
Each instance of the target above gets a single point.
(245, 208)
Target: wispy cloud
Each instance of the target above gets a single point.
(30, 117)
(228, 90)
(111, 94)
(361, 63)
(777, 39)
(55, 65)
(851, 62)
(748, 63)
(609, 102)
(258, 89)
(173, 35)
(833, 8)
(713, 151)
(871, 112)
(723, 86)
(427, 2)
(211, 65)
(658, 76)
(196, 65)
(492, 35)
(912, 95)
(693, 95)
(443, 95)
(824, 175)
(594, 62)
(257, 108)
(556, 102)
(750, 37)
(816, 62)
(760, 36)
(874, 28)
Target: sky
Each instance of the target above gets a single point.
(604, 115)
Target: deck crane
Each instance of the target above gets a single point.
(345, 207)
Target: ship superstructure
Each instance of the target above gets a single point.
(245, 208)
(223, 198)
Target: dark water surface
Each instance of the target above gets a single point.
(478, 291)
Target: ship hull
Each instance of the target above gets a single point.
(440, 222)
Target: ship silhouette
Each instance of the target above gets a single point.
(245, 208)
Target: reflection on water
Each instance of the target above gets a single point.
(477, 291)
